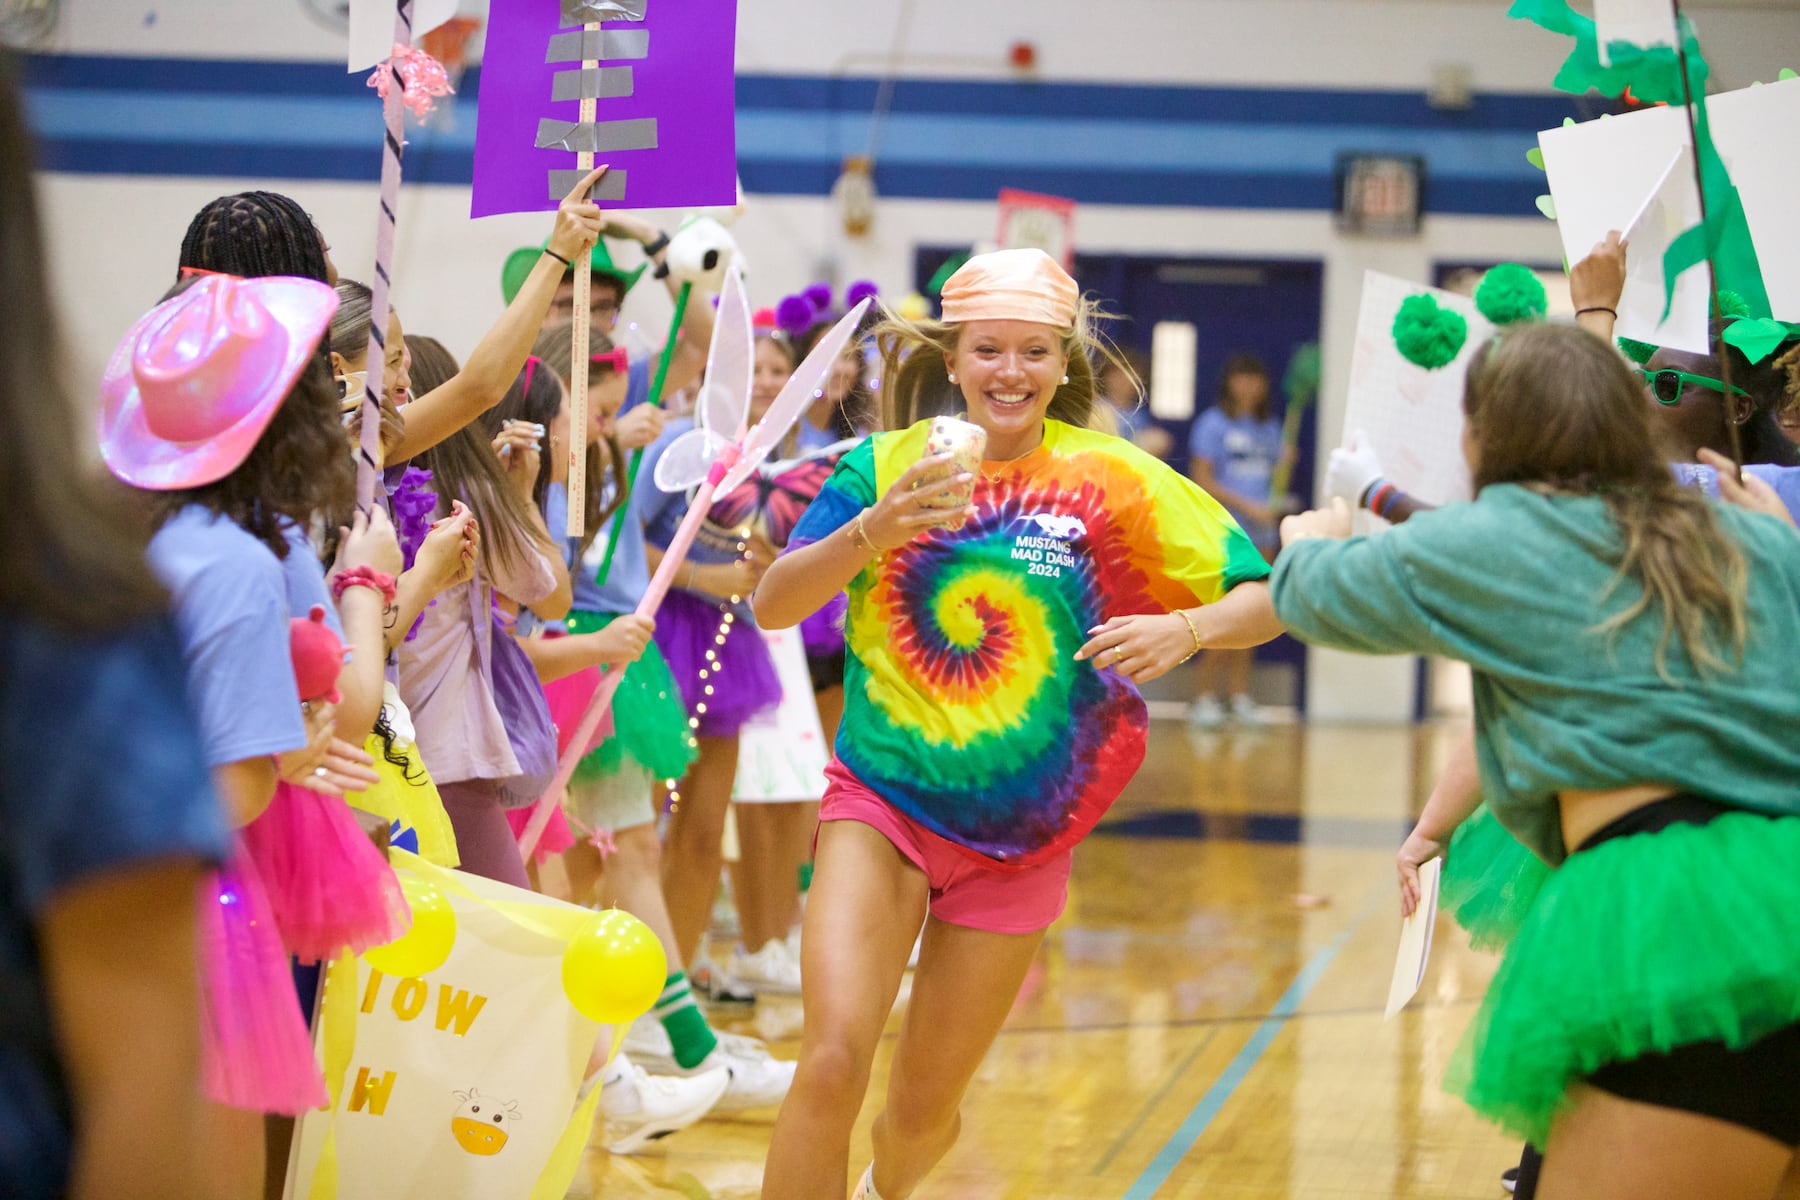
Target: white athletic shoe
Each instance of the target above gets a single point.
(1245, 712)
(758, 1080)
(639, 1108)
(772, 969)
(1206, 713)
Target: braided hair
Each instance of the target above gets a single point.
(255, 233)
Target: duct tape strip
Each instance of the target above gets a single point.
(595, 45)
(610, 187)
(600, 83)
(592, 12)
(597, 137)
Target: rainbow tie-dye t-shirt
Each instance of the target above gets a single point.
(964, 706)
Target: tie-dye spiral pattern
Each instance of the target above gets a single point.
(964, 707)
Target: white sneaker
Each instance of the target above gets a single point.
(1245, 712)
(772, 969)
(718, 986)
(639, 1107)
(1206, 713)
(758, 1080)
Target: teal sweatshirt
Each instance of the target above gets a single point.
(1515, 584)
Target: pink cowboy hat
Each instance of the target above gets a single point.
(196, 381)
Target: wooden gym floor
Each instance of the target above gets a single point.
(1206, 1019)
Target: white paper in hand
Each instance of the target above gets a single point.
(1668, 212)
(1415, 940)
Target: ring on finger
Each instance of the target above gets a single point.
(319, 771)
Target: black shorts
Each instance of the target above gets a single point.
(1757, 1086)
(827, 671)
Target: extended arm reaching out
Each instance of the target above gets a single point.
(498, 358)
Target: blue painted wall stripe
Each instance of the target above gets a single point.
(1109, 144)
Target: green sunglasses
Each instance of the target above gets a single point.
(1668, 384)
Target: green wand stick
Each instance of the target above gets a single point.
(637, 456)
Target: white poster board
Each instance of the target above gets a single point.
(1602, 172)
(490, 1030)
(1413, 417)
(782, 753)
(1643, 23)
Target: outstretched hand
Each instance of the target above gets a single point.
(1140, 647)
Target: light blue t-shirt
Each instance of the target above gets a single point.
(1785, 481)
(811, 437)
(1243, 452)
(637, 385)
(629, 575)
(232, 606)
(305, 579)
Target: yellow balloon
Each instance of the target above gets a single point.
(614, 971)
(425, 945)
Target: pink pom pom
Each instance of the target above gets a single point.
(422, 79)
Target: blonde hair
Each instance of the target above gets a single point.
(915, 383)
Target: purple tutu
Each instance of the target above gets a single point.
(742, 677)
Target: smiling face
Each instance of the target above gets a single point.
(1008, 372)
(773, 369)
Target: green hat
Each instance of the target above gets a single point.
(519, 263)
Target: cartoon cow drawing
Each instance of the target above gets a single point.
(479, 1126)
(1065, 529)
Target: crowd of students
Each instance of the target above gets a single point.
(219, 680)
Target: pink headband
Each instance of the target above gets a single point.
(1012, 285)
(616, 358)
(531, 365)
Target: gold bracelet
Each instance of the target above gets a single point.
(1189, 622)
(859, 535)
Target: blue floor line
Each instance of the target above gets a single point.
(1182, 1140)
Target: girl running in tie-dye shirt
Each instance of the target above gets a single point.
(992, 712)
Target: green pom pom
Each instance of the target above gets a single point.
(1732, 305)
(1638, 352)
(1510, 293)
(1427, 334)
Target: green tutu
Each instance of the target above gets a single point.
(1490, 881)
(1642, 944)
(649, 722)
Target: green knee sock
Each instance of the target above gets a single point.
(686, 1025)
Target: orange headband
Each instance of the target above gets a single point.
(1012, 285)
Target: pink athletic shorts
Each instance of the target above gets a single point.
(963, 891)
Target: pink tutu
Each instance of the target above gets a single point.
(255, 1051)
(568, 699)
(557, 835)
(328, 886)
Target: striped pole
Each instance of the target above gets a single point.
(368, 455)
(578, 350)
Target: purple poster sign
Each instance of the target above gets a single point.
(663, 104)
